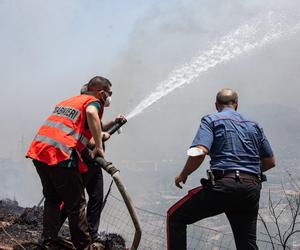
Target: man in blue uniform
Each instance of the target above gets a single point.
(239, 153)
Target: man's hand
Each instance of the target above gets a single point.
(192, 163)
(91, 144)
(179, 179)
(105, 136)
(120, 118)
(98, 152)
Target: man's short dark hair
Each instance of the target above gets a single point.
(227, 97)
(99, 83)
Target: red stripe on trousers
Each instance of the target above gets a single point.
(172, 209)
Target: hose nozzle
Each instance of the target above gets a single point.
(116, 126)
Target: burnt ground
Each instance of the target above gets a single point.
(20, 228)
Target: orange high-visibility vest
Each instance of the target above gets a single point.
(63, 131)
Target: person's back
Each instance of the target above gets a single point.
(239, 152)
(55, 153)
(238, 142)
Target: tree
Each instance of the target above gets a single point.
(282, 219)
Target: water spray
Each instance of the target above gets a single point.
(261, 31)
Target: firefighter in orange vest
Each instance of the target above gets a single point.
(56, 153)
(93, 178)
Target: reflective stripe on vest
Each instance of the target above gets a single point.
(67, 130)
(63, 131)
(53, 142)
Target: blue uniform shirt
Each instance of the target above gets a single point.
(233, 141)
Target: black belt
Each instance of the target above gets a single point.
(219, 174)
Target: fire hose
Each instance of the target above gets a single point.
(115, 174)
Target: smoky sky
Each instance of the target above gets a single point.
(50, 48)
(166, 38)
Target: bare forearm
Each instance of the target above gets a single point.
(267, 163)
(119, 118)
(94, 125)
(108, 125)
(192, 164)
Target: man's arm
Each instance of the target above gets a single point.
(192, 163)
(203, 141)
(105, 136)
(267, 159)
(108, 125)
(267, 163)
(95, 128)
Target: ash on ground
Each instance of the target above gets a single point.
(20, 228)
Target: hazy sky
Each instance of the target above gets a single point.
(50, 48)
